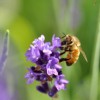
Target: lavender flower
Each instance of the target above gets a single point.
(60, 82)
(30, 76)
(39, 42)
(46, 56)
(56, 42)
(53, 91)
(52, 66)
(44, 88)
(33, 54)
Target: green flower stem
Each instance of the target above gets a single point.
(95, 66)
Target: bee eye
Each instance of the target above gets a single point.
(63, 42)
(68, 40)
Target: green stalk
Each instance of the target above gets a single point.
(95, 66)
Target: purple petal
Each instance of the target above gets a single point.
(30, 76)
(40, 39)
(53, 60)
(39, 42)
(64, 81)
(49, 71)
(41, 89)
(46, 49)
(52, 71)
(56, 42)
(60, 82)
(53, 91)
(30, 80)
(61, 86)
(58, 66)
(32, 54)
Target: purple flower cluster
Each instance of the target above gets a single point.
(46, 56)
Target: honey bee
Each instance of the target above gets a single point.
(72, 46)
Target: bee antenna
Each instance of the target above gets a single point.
(64, 35)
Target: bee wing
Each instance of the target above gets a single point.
(83, 53)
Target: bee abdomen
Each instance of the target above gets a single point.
(72, 57)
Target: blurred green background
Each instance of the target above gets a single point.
(28, 19)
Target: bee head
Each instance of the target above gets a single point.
(69, 40)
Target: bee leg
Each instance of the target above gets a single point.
(64, 59)
(65, 50)
(62, 53)
(62, 48)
